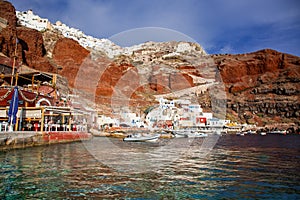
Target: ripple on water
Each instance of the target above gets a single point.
(267, 169)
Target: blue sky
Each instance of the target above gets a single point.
(219, 26)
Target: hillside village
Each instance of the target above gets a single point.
(171, 111)
(171, 114)
(87, 118)
(30, 20)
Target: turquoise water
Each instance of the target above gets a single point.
(250, 167)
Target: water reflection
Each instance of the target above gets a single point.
(235, 168)
(140, 157)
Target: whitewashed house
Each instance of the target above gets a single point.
(105, 121)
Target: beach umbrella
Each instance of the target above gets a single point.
(13, 107)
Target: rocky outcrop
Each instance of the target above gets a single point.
(68, 56)
(243, 71)
(50, 38)
(24, 43)
(262, 87)
(113, 79)
(8, 33)
(33, 50)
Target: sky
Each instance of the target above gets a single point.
(219, 26)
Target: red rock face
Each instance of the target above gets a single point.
(33, 51)
(8, 30)
(121, 84)
(164, 83)
(240, 72)
(191, 70)
(29, 49)
(262, 87)
(116, 79)
(69, 55)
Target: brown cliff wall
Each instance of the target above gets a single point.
(33, 50)
(30, 48)
(8, 30)
(68, 56)
(262, 87)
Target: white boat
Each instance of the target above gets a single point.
(197, 134)
(280, 132)
(263, 133)
(251, 132)
(240, 133)
(181, 133)
(189, 133)
(141, 138)
(206, 131)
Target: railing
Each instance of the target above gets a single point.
(4, 127)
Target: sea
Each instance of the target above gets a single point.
(216, 167)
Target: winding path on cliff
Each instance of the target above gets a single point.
(188, 91)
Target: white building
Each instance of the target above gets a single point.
(28, 19)
(165, 104)
(179, 113)
(103, 121)
(215, 122)
(131, 119)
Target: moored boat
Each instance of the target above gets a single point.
(263, 133)
(191, 133)
(240, 134)
(251, 132)
(117, 135)
(197, 134)
(165, 135)
(180, 133)
(280, 132)
(137, 137)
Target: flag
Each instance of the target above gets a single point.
(13, 107)
(202, 120)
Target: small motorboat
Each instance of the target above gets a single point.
(189, 133)
(263, 133)
(240, 133)
(280, 132)
(251, 132)
(180, 134)
(195, 134)
(137, 137)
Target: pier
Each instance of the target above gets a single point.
(22, 139)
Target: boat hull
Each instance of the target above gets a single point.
(190, 134)
(141, 138)
(197, 134)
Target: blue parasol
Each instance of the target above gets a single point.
(13, 107)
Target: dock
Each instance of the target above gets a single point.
(23, 139)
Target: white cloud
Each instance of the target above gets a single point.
(141, 35)
(208, 22)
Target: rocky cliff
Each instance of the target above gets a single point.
(27, 43)
(8, 28)
(260, 87)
